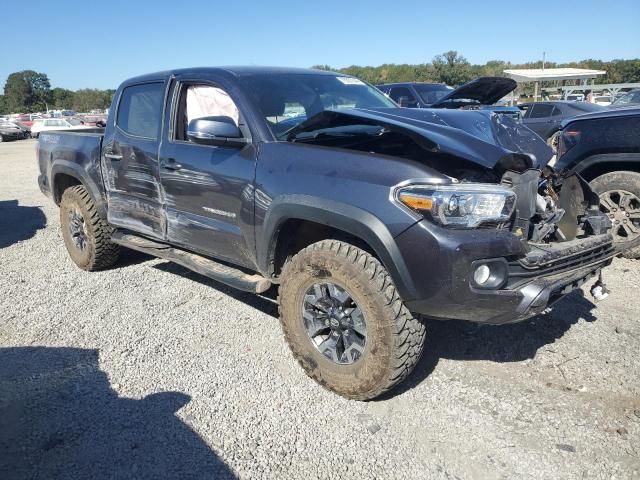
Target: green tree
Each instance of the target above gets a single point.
(27, 91)
(452, 68)
(61, 98)
(17, 93)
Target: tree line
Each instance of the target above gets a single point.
(29, 91)
(454, 69)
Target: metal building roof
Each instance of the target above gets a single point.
(539, 74)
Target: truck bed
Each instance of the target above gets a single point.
(76, 154)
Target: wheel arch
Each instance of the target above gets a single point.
(295, 222)
(596, 165)
(65, 174)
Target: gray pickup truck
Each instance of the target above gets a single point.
(365, 215)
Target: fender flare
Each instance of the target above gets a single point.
(76, 171)
(595, 160)
(344, 217)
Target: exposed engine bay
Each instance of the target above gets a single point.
(472, 147)
(550, 208)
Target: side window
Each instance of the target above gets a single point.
(556, 112)
(397, 92)
(197, 101)
(140, 110)
(541, 111)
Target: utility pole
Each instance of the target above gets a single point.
(544, 55)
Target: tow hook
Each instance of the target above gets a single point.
(599, 290)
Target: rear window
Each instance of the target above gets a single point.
(140, 110)
(541, 110)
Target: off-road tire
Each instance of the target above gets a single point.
(622, 180)
(395, 338)
(100, 252)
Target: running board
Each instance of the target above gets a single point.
(233, 277)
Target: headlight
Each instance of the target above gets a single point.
(463, 206)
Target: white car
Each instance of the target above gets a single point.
(47, 124)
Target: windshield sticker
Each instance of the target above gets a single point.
(350, 81)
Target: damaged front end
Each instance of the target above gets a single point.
(553, 236)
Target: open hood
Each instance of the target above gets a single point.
(482, 91)
(478, 136)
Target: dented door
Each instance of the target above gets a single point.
(130, 161)
(208, 190)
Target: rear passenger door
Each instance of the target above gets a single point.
(539, 118)
(130, 160)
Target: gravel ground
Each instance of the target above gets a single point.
(149, 371)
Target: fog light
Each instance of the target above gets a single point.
(481, 275)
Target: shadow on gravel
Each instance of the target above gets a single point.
(59, 418)
(19, 223)
(467, 341)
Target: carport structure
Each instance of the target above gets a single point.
(538, 75)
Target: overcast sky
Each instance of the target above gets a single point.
(97, 44)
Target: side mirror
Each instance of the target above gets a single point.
(220, 131)
(403, 102)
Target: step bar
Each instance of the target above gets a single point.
(233, 277)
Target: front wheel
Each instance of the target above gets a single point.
(86, 235)
(345, 322)
(619, 194)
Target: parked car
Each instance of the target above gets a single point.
(25, 132)
(365, 216)
(604, 148)
(9, 132)
(479, 94)
(545, 118)
(27, 118)
(46, 124)
(602, 100)
(630, 98)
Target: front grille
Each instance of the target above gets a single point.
(561, 257)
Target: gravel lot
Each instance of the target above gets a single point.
(149, 371)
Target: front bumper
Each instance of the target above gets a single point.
(537, 277)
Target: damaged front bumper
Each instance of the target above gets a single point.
(535, 276)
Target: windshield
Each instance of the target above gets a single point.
(627, 98)
(286, 100)
(431, 93)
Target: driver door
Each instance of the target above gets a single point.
(208, 189)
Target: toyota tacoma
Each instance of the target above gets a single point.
(366, 216)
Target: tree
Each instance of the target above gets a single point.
(61, 98)
(452, 68)
(27, 91)
(17, 93)
(87, 99)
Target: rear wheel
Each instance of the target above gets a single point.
(620, 199)
(86, 235)
(345, 322)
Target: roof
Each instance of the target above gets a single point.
(231, 70)
(537, 74)
(631, 111)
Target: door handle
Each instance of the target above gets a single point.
(171, 164)
(113, 156)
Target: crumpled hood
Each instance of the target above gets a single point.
(481, 137)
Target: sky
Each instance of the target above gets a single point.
(97, 44)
